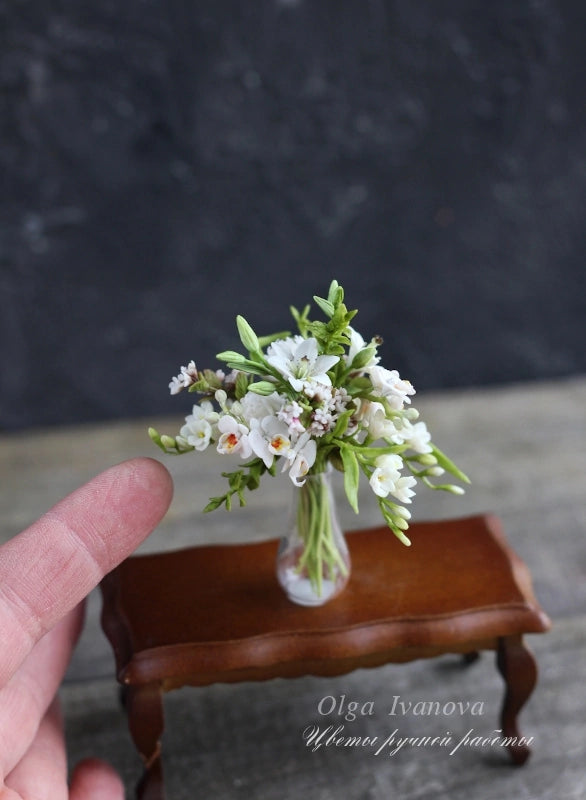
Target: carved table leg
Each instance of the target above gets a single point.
(144, 706)
(519, 670)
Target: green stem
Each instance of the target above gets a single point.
(314, 524)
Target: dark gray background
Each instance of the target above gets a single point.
(167, 165)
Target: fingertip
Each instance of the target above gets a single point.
(93, 779)
(134, 497)
(151, 476)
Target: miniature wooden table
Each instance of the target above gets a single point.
(216, 614)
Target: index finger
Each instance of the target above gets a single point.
(50, 567)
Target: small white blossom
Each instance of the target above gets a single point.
(204, 410)
(297, 360)
(234, 437)
(401, 431)
(387, 383)
(197, 433)
(340, 400)
(386, 479)
(386, 474)
(268, 438)
(256, 406)
(290, 414)
(402, 489)
(186, 378)
(317, 391)
(301, 458)
(373, 417)
(322, 422)
(198, 428)
(417, 436)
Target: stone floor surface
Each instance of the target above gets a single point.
(524, 448)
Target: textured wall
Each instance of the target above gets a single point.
(166, 165)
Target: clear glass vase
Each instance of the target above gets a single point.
(313, 562)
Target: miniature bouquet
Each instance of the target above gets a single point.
(304, 404)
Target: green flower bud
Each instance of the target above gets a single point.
(428, 459)
(454, 489)
(262, 387)
(247, 336)
(403, 512)
(232, 356)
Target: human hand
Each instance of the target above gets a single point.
(45, 574)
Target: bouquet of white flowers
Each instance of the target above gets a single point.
(304, 401)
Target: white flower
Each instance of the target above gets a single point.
(399, 431)
(417, 436)
(388, 383)
(318, 391)
(301, 458)
(322, 421)
(386, 479)
(297, 360)
(402, 490)
(234, 437)
(340, 400)
(373, 417)
(203, 410)
(186, 377)
(290, 414)
(268, 438)
(256, 406)
(198, 429)
(197, 433)
(386, 474)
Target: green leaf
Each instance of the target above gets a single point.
(342, 423)
(300, 318)
(242, 364)
(371, 453)
(335, 293)
(325, 305)
(351, 477)
(449, 465)
(359, 385)
(319, 329)
(214, 503)
(241, 386)
(253, 481)
(264, 341)
(362, 358)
